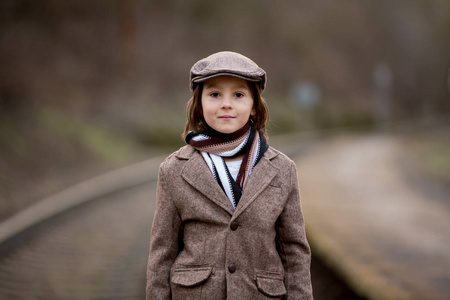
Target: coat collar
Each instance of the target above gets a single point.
(198, 175)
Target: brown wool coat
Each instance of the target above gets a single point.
(201, 248)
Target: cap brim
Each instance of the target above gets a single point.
(204, 78)
(200, 79)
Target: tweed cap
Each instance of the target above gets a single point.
(227, 63)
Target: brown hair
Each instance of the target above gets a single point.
(194, 111)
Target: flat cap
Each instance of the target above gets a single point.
(227, 63)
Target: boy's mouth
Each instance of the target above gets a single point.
(226, 117)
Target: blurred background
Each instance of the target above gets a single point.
(94, 85)
(90, 86)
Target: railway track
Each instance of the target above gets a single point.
(97, 251)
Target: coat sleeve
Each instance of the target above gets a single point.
(164, 242)
(293, 246)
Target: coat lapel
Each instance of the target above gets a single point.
(199, 176)
(263, 173)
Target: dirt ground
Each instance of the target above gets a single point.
(369, 220)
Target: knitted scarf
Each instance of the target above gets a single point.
(214, 146)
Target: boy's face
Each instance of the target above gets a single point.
(227, 103)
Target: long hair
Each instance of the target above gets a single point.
(196, 122)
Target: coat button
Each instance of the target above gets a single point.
(234, 226)
(232, 268)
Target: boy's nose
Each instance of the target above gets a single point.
(226, 103)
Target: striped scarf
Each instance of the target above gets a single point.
(214, 146)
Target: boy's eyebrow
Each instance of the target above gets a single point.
(240, 86)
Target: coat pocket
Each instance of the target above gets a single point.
(270, 283)
(186, 281)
